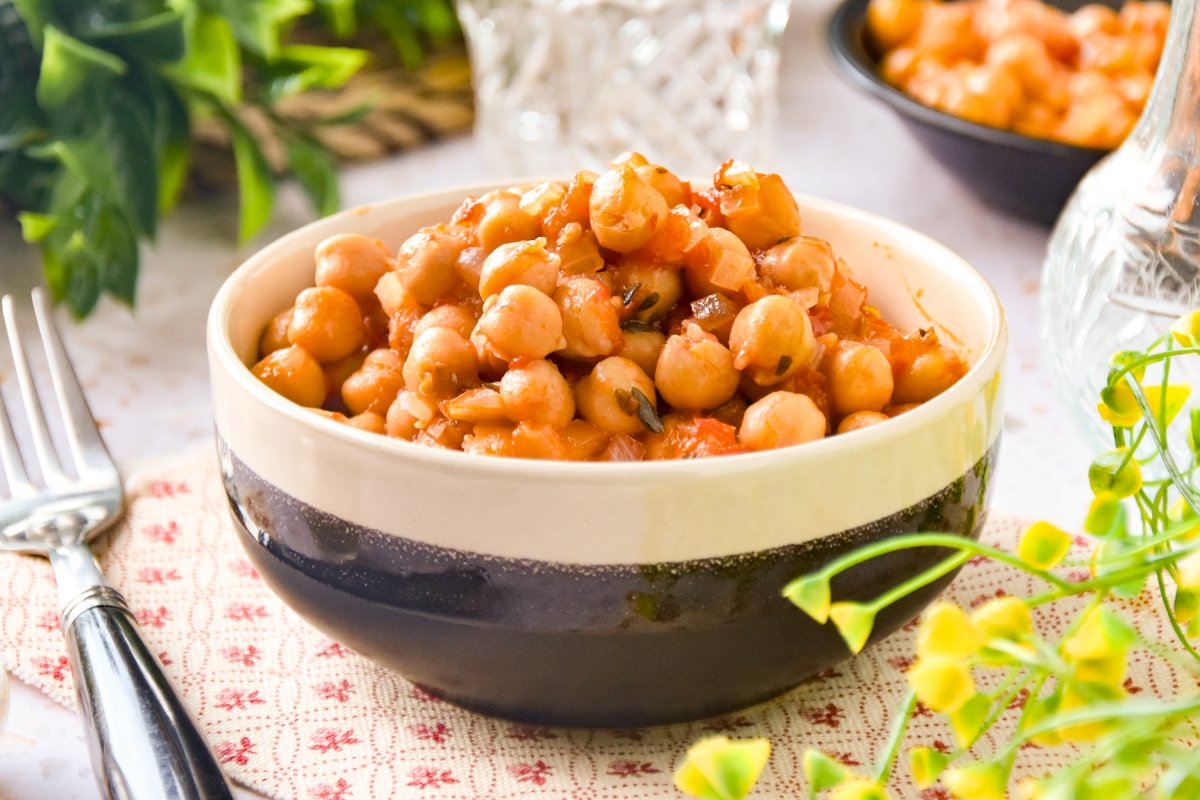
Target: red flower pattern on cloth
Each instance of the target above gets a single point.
(430, 777)
(268, 689)
(537, 772)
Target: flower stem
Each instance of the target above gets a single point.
(899, 728)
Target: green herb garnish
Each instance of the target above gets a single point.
(627, 298)
(649, 303)
(646, 413)
(785, 363)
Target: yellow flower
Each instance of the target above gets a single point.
(1119, 408)
(946, 630)
(1074, 698)
(1189, 572)
(1004, 618)
(859, 789)
(720, 767)
(1101, 635)
(811, 595)
(1187, 603)
(1043, 545)
(976, 782)
(926, 764)
(1186, 329)
(1109, 671)
(944, 684)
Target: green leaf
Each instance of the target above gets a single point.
(718, 768)
(35, 227)
(340, 16)
(302, 67)
(316, 172)
(128, 136)
(69, 66)
(34, 13)
(115, 252)
(159, 37)
(174, 143)
(259, 25)
(213, 63)
(404, 37)
(256, 184)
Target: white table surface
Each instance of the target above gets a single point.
(146, 376)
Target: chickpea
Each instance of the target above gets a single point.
(469, 266)
(666, 183)
(440, 364)
(407, 415)
(642, 348)
(781, 419)
(719, 263)
(929, 374)
(476, 405)
(327, 323)
(353, 263)
(859, 378)
(800, 263)
(695, 371)
(1027, 58)
(537, 440)
(774, 218)
(590, 322)
(538, 201)
(457, 318)
(897, 410)
(771, 340)
(503, 221)
(624, 210)
(369, 421)
(490, 439)
(537, 392)
(583, 440)
(861, 419)
(655, 289)
(526, 263)
(337, 372)
(893, 22)
(520, 322)
(1093, 18)
(374, 386)
(604, 397)
(426, 263)
(274, 336)
(293, 373)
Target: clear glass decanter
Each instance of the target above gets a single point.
(1124, 258)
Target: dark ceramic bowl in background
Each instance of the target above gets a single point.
(1029, 177)
(599, 594)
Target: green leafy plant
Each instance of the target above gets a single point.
(1055, 690)
(99, 100)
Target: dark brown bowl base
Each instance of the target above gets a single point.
(559, 644)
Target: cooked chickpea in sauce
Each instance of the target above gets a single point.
(1079, 77)
(617, 317)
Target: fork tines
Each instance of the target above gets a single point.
(89, 456)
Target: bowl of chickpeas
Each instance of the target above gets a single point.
(552, 450)
(1017, 98)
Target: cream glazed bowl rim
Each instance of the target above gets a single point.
(986, 365)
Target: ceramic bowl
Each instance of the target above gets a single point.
(1029, 177)
(599, 594)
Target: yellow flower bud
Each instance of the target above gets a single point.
(721, 767)
(926, 764)
(1186, 605)
(1043, 545)
(854, 622)
(859, 789)
(968, 721)
(1188, 577)
(946, 630)
(1004, 618)
(1074, 698)
(976, 782)
(1118, 407)
(1115, 472)
(811, 595)
(1029, 789)
(944, 684)
(1039, 711)
(1186, 329)
(1109, 671)
(1101, 635)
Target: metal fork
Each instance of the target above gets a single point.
(143, 743)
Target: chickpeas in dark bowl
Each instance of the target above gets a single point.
(578, 580)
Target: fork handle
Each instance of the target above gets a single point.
(144, 744)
